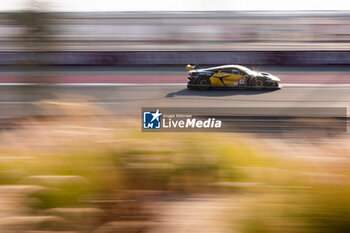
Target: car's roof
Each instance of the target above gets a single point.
(243, 68)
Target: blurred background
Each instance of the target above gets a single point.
(74, 76)
(189, 31)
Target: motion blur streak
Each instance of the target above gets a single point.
(73, 158)
(190, 31)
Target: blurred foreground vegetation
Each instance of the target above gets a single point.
(85, 171)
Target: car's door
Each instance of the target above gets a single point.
(222, 77)
(231, 79)
(217, 79)
(228, 77)
(235, 77)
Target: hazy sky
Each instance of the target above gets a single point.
(182, 5)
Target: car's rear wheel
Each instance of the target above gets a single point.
(203, 83)
(258, 83)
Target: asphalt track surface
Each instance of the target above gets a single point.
(16, 101)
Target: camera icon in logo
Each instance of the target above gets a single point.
(152, 120)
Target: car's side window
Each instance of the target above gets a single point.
(243, 73)
(230, 71)
(236, 71)
(227, 71)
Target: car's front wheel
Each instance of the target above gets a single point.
(203, 83)
(258, 84)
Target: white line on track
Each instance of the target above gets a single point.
(315, 85)
(162, 84)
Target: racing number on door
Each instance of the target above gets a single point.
(241, 81)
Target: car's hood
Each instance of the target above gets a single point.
(269, 76)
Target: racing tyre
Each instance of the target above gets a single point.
(258, 84)
(203, 83)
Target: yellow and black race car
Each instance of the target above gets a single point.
(230, 76)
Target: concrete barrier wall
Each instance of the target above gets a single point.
(283, 58)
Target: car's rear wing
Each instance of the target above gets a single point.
(192, 67)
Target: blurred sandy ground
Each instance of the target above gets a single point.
(99, 174)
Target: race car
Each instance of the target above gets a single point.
(230, 76)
